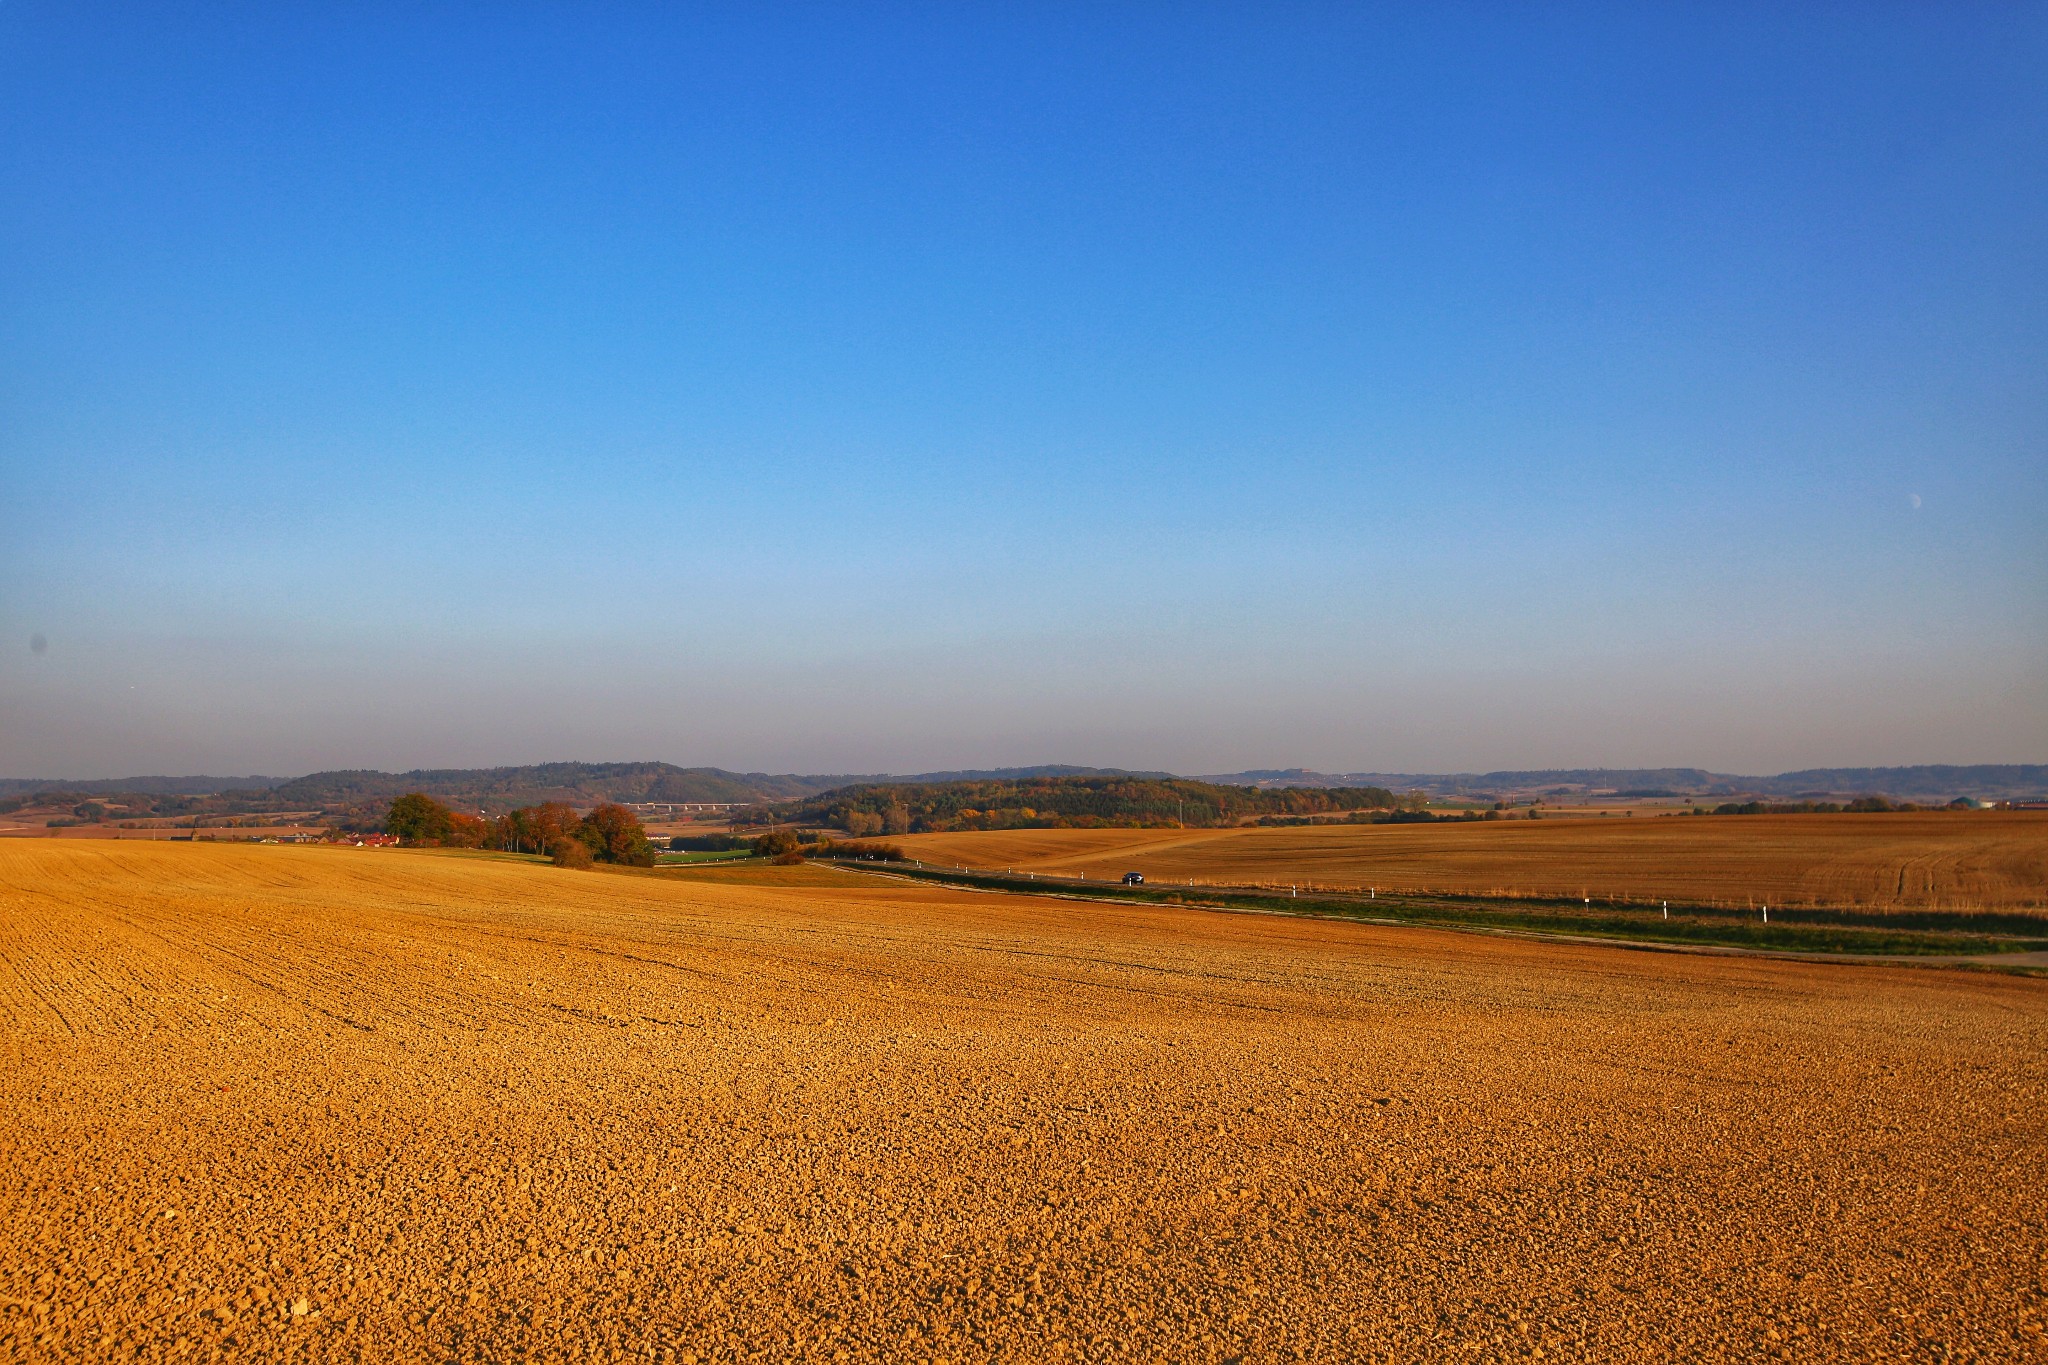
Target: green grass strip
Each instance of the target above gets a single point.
(1800, 931)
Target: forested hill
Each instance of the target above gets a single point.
(586, 783)
(1007, 774)
(154, 786)
(580, 784)
(577, 783)
(1060, 802)
(1925, 782)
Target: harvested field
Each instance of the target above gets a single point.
(1935, 860)
(318, 1104)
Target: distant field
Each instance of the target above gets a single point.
(1917, 861)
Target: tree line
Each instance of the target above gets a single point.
(1059, 803)
(1862, 805)
(608, 833)
(793, 846)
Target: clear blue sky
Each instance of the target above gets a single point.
(1188, 387)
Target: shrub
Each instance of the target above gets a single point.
(573, 853)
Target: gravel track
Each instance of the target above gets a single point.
(344, 1105)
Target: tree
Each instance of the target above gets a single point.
(417, 818)
(614, 835)
(779, 843)
(545, 827)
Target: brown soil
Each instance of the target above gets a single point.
(1940, 860)
(317, 1104)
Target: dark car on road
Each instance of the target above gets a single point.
(1134, 879)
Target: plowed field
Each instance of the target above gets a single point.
(314, 1104)
(1937, 860)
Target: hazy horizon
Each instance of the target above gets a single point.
(1419, 390)
(886, 772)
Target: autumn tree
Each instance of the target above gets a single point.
(535, 829)
(466, 830)
(614, 835)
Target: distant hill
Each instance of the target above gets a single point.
(1015, 774)
(152, 786)
(1990, 781)
(577, 783)
(583, 783)
(587, 783)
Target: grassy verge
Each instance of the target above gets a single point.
(1806, 931)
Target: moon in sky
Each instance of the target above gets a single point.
(1915, 500)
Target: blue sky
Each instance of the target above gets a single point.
(1416, 388)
